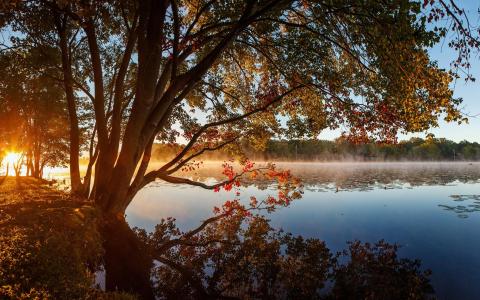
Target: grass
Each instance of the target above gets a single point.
(50, 246)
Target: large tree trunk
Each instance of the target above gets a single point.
(135, 139)
(127, 263)
(153, 101)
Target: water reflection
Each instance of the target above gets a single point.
(245, 258)
(398, 202)
(472, 204)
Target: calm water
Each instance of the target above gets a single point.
(432, 210)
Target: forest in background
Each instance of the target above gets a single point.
(414, 149)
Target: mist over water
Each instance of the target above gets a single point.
(431, 209)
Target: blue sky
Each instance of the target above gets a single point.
(470, 92)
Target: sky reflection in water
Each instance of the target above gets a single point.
(432, 210)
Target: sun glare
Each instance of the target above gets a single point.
(12, 158)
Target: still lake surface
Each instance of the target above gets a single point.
(431, 209)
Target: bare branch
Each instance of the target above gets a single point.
(174, 242)
(84, 89)
(223, 122)
(99, 100)
(119, 87)
(176, 37)
(186, 160)
(464, 30)
(134, 187)
(151, 176)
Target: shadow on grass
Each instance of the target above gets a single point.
(49, 243)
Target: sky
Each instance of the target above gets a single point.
(469, 92)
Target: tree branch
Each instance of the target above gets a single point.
(223, 122)
(119, 87)
(98, 83)
(188, 275)
(176, 37)
(186, 160)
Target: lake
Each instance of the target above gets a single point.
(431, 209)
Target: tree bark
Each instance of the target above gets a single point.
(36, 159)
(76, 183)
(127, 263)
(150, 35)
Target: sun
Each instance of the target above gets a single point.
(12, 158)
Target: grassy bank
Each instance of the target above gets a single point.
(49, 243)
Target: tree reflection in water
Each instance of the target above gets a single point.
(239, 256)
(242, 257)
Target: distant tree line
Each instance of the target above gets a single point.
(414, 149)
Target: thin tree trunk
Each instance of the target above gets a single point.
(36, 161)
(76, 184)
(29, 163)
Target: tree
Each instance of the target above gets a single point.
(464, 37)
(32, 28)
(147, 66)
(33, 115)
(243, 64)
